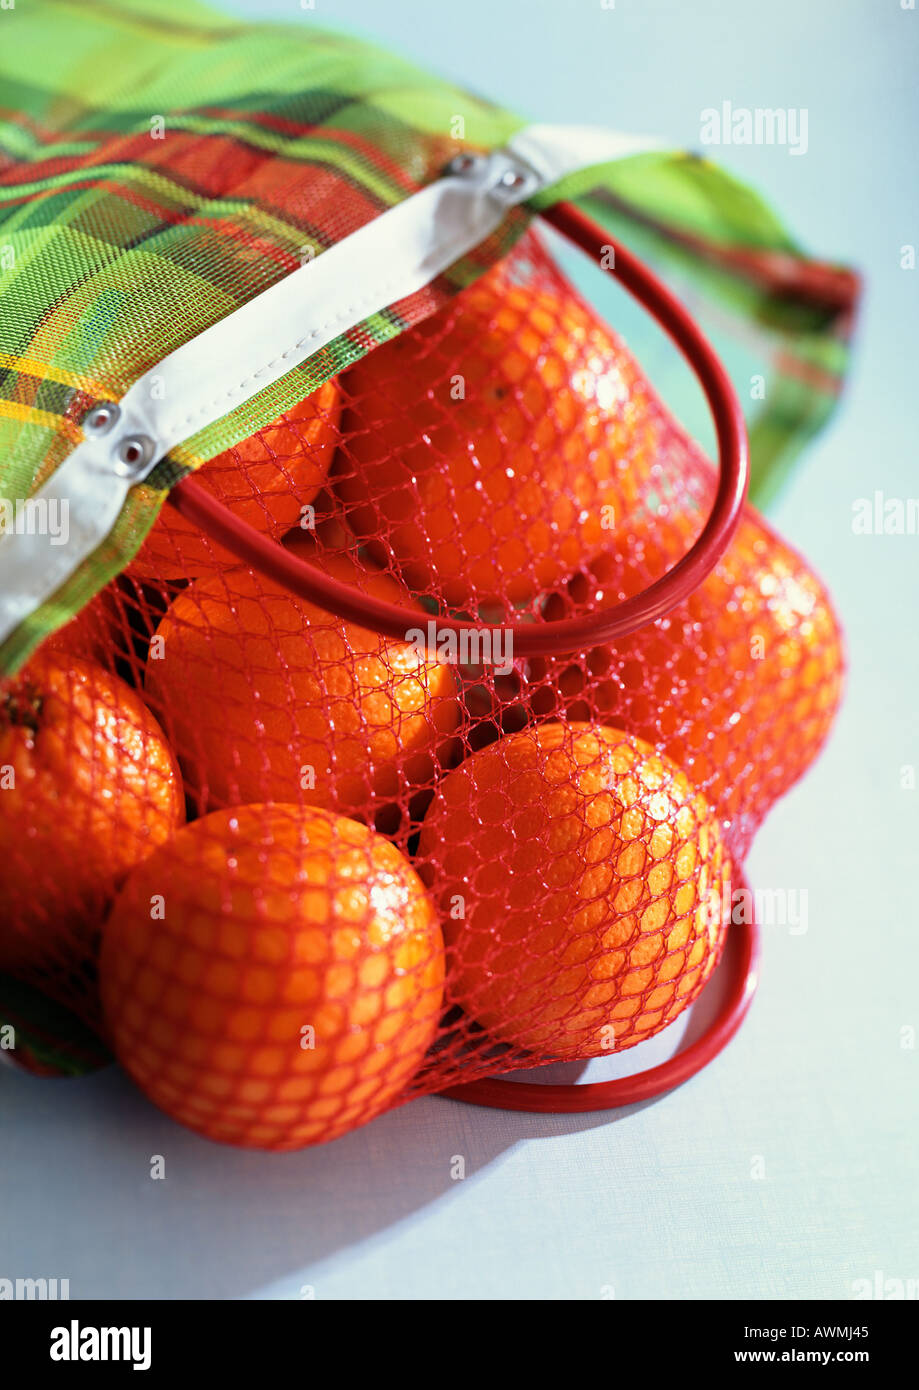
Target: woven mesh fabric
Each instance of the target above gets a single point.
(302, 872)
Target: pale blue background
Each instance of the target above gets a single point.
(658, 1200)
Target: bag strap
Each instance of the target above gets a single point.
(400, 252)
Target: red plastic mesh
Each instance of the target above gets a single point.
(317, 871)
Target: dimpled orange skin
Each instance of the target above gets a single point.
(95, 789)
(277, 920)
(586, 865)
(255, 685)
(264, 480)
(497, 495)
(739, 684)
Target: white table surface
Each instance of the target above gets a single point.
(818, 1091)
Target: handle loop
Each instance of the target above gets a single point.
(568, 634)
(532, 1096)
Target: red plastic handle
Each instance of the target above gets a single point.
(626, 1090)
(568, 634)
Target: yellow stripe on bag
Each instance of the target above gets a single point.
(45, 371)
(16, 410)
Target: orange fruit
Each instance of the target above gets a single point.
(268, 697)
(580, 879)
(91, 633)
(88, 787)
(739, 684)
(292, 986)
(497, 493)
(265, 481)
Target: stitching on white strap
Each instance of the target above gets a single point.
(347, 318)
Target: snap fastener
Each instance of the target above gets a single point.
(465, 164)
(512, 184)
(133, 454)
(101, 418)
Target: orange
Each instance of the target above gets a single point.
(739, 684)
(292, 985)
(88, 787)
(268, 697)
(91, 633)
(265, 481)
(580, 879)
(492, 449)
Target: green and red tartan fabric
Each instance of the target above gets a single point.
(161, 164)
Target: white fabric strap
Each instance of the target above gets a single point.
(554, 151)
(395, 255)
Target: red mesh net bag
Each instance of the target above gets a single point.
(296, 871)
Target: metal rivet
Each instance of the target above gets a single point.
(464, 164)
(133, 454)
(101, 418)
(510, 181)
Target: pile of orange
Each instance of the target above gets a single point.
(310, 862)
